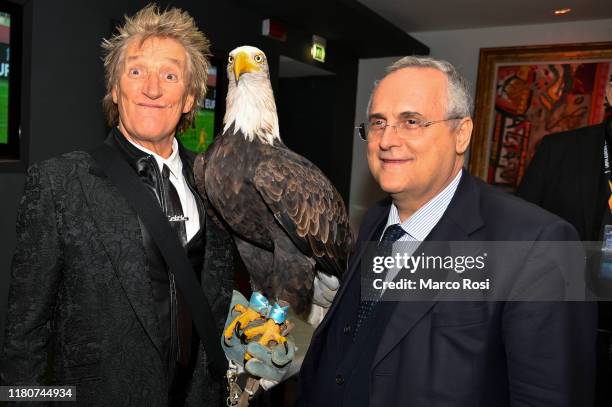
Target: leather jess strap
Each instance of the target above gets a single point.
(144, 204)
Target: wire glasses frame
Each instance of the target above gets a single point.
(364, 129)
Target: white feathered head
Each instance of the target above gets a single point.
(250, 102)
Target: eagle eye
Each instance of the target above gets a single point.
(259, 58)
(230, 59)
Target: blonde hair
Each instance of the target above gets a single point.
(150, 22)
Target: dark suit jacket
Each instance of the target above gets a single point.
(565, 178)
(466, 353)
(81, 308)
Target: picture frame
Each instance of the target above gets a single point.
(524, 93)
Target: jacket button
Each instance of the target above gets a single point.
(347, 329)
(339, 379)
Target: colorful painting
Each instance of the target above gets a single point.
(528, 95)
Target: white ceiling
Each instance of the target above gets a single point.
(434, 15)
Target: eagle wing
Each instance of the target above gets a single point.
(199, 174)
(308, 207)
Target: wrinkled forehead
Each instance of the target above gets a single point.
(154, 51)
(414, 89)
(156, 47)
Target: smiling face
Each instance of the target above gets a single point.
(415, 165)
(151, 92)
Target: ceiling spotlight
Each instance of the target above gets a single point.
(562, 11)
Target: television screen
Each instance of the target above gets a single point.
(200, 135)
(10, 82)
(5, 55)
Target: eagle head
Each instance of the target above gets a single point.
(247, 60)
(250, 102)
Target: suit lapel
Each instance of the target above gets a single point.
(119, 231)
(590, 145)
(461, 218)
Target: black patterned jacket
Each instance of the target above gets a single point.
(81, 310)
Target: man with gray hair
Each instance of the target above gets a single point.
(120, 282)
(369, 352)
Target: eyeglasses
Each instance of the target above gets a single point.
(404, 128)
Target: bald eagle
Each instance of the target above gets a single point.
(287, 219)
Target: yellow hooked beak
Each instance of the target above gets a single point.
(243, 64)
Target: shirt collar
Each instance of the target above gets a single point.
(173, 162)
(420, 223)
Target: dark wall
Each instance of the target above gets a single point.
(306, 117)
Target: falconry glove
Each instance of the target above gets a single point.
(232, 346)
(325, 289)
(269, 362)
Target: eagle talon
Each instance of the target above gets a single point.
(240, 308)
(247, 315)
(237, 330)
(269, 332)
(257, 310)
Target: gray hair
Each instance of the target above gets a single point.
(459, 103)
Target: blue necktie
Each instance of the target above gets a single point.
(370, 297)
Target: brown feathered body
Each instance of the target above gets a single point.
(286, 217)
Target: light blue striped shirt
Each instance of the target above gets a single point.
(419, 224)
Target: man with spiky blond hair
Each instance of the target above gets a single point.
(101, 299)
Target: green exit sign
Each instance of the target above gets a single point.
(318, 52)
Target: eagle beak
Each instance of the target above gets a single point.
(243, 64)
